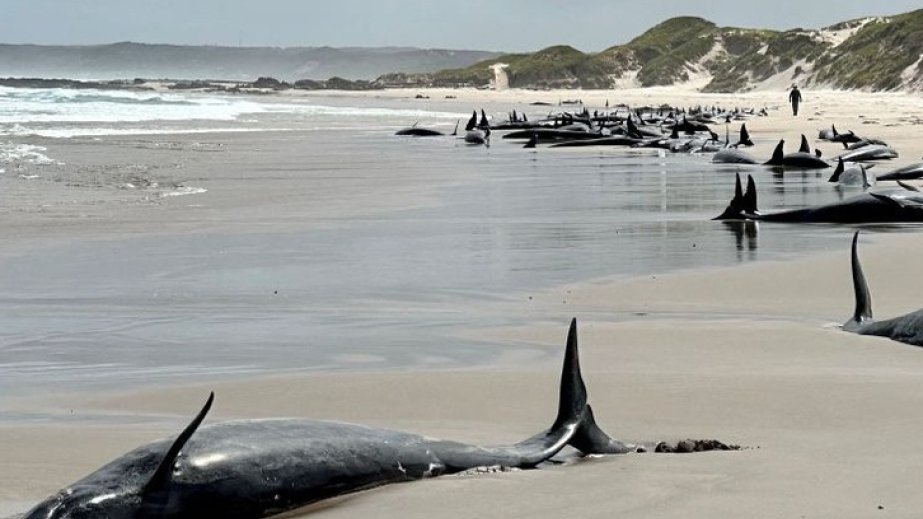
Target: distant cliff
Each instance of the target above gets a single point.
(884, 53)
(131, 60)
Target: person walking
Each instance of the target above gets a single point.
(794, 97)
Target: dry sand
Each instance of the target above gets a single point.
(829, 421)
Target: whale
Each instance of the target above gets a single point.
(420, 131)
(845, 138)
(733, 156)
(869, 207)
(910, 172)
(744, 139)
(855, 175)
(907, 328)
(826, 135)
(798, 160)
(478, 136)
(613, 140)
(869, 152)
(550, 134)
(249, 469)
(864, 142)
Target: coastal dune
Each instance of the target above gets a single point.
(828, 422)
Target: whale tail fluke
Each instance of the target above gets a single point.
(574, 409)
(472, 122)
(863, 311)
(571, 409)
(590, 439)
(484, 123)
(573, 396)
(744, 204)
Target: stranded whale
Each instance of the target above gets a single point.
(905, 328)
(888, 206)
(259, 468)
(800, 159)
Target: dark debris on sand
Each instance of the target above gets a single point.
(685, 446)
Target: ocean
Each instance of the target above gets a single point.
(311, 238)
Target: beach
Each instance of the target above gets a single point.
(695, 339)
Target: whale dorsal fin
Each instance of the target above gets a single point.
(162, 475)
(835, 177)
(863, 310)
(777, 154)
(805, 147)
(745, 136)
(455, 131)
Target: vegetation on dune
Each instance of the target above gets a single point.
(669, 37)
(767, 55)
(874, 58)
(556, 67)
(670, 67)
(876, 55)
(663, 52)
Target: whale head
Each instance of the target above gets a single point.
(137, 486)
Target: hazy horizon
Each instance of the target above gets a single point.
(511, 26)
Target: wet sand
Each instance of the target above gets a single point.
(751, 355)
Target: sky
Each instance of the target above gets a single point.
(499, 25)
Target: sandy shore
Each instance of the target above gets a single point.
(829, 421)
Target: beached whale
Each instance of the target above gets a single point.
(612, 140)
(420, 131)
(906, 328)
(550, 134)
(733, 156)
(893, 206)
(744, 139)
(259, 468)
(855, 175)
(910, 172)
(869, 152)
(799, 159)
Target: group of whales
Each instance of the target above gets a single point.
(678, 130)
(681, 130)
(688, 131)
(250, 469)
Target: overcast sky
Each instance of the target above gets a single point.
(507, 25)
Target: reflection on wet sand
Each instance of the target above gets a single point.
(746, 236)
